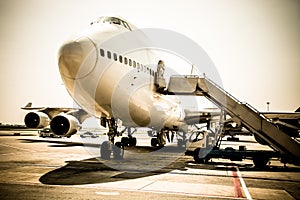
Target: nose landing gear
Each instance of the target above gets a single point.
(160, 139)
(108, 147)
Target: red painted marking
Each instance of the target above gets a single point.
(237, 185)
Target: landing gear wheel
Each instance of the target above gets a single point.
(154, 142)
(132, 141)
(105, 150)
(128, 141)
(198, 158)
(260, 162)
(118, 151)
(125, 141)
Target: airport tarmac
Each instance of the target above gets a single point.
(63, 168)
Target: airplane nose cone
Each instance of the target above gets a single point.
(76, 59)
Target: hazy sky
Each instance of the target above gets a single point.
(255, 45)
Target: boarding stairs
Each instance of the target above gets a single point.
(252, 119)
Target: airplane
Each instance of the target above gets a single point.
(109, 83)
(289, 122)
(40, 117)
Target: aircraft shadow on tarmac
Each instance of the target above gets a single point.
(56, 143)
(83, 172)
(95, 170)
(134, 165)
(139, 161)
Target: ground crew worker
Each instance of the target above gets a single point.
(160, 69)
(160, 80)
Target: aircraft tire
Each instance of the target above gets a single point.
(197, 159)
(105, 150)
(125, 141)
(132, 141)
(118, 151)
(154, 142)
(260, 161)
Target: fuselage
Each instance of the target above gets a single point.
(109, 75)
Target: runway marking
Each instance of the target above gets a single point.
(248, 196)
(108, 193)
(238, 181)
(170, 187)
(171, 192)
(237, 186)
(19, 148)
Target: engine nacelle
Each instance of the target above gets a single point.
(64, 125)
(36, 120)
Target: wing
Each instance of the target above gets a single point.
(80, 114)
(50, 111)
(281, 115)
(288, 121)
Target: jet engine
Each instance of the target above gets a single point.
(64, 125)
(36, 120)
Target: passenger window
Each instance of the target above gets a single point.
(109, 54)
(115, 57)
(125, 60)
(130, 62)
(102, 52)
(134, 64)
(120, 59)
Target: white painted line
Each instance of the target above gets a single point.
(248, 196)
(108, 193)
(169, 192)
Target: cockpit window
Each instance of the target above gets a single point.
(113, 20)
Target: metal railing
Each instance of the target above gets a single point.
(233, 97)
